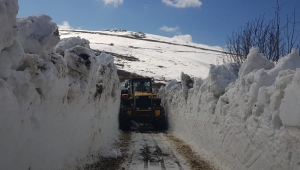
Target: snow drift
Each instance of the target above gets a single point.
(251, 122)
(57, 112)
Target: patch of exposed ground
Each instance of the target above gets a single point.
(193, 159)
(123, 75)
(116, 55)
(113, 163)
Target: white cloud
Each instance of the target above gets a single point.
(186, 37)
(183, 3)
(169, 29)
(116, 3)
(65, 26)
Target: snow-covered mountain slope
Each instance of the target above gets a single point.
(151, 55)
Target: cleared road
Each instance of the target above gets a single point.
(144, 149)
(152, 152)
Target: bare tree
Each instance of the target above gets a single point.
(273, 38)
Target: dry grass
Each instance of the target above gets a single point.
(193, 159)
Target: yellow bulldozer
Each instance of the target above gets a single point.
(141, 105)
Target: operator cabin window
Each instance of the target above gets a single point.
(136, 86)
(142, 86)
(147, 86)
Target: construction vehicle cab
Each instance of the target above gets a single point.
(139, 104)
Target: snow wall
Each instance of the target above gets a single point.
(56, 112)
(250, 121)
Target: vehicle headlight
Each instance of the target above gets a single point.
(157, 113)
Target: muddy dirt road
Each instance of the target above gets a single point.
(149, 150)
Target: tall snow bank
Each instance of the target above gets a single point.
(248, 123)
(55, 112)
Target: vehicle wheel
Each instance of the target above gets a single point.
(161, 122)
(124, 121)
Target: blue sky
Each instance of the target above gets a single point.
(207, 21)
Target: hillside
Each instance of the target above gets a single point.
(150, 55)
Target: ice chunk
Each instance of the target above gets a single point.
(186, 83)
(8, 30)
(71, 42)
(255, 60)
(81, 59)
(171, 84)
(38, 35)
(10, 58)
(105, 59)
(5, 65)
(291, 62)
(218, 79)
(290, 107)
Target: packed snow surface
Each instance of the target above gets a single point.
(247, 122)
(56, 109)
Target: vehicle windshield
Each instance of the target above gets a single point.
(144, 86)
